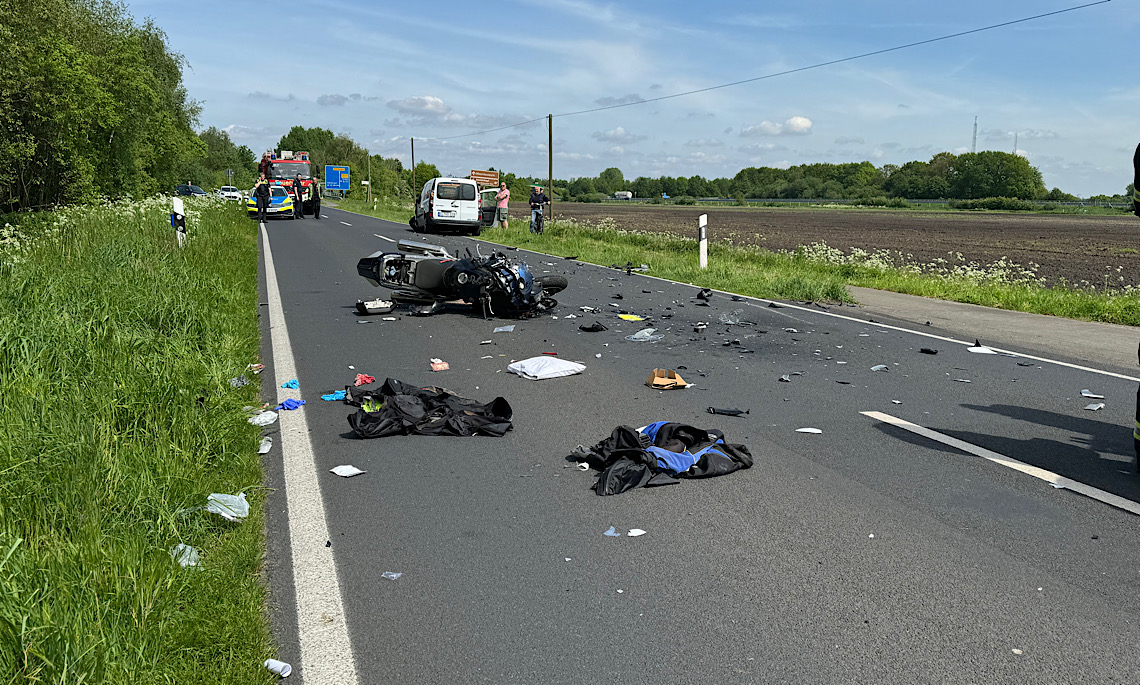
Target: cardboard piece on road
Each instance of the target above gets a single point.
(665, 379)
(439, 365)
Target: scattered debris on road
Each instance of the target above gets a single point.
(612, 532)
(290, 404)
(238, 382)
(265, 446)
(645, 335)
(880, 367)
(391, 575)
(334, 396)
(660, 454)
(728, 412)
(630, 317)
(292, 384)
(374, 307)
(504, 329)
(398, 408)
(597, 327)
(635, 533)
(346, 471)
(808, 430)
(439, 365)
(264, 418)
(279, 667)
(1096, 406)
(543, 368)
(928, 350)
(665, 379)
(256, 368)
(1091, 395)
(979, 348)
(364, 379)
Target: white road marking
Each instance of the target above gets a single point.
(967, 343)
(1058, 481)
(381, 237)
(326, 652)
(346, 223)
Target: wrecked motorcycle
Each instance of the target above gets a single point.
(427, 276)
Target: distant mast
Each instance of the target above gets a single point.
(974, 144)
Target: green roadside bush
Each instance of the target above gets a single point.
(1009, 204)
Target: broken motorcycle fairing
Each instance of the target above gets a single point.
(660, 454)
(427, 275)
(398, 408)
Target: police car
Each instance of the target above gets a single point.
(280, 203)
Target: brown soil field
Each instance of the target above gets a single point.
(1076, 248)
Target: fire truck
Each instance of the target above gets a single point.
(281, 168)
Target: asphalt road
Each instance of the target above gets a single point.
(864, 554)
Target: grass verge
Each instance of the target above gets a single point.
(116, 348)
(381, 209)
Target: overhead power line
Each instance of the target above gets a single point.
(786, 72)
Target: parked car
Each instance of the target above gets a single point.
(448, 203)
(229, 193)
(186, 190)
(280, 203)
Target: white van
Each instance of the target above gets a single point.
(448, 203)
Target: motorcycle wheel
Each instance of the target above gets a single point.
(552, 284)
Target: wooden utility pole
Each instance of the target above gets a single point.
(550, 157)
(414, 193)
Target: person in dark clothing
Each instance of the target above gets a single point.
(261, 192)
(315, 192)
(298, 198)
(1136, 211)
(537, 200)
(1136, 182)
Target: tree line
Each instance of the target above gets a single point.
(945, 176)
(92, 104)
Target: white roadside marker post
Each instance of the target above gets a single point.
(178, 220)
(703, 239)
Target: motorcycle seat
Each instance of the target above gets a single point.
(429, 273)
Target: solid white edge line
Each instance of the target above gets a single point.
(1056, 480)
(326, 652)
(860, 321)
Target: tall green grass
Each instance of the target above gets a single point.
(116, 348)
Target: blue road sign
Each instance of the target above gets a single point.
(336, 177)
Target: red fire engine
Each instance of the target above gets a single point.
(281, 168)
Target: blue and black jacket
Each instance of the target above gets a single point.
(660, 454)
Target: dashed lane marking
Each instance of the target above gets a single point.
(326, 653)
(346, 223)
(1056, 480)
(383, 237)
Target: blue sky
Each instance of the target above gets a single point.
(1068, 86)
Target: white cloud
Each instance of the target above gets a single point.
(622, 100)
(332, 100)
(1027, 134)
(430, 110)
(260, 95)
(239, 133)
(705, 142)
(618, 135)
(845, 140)
(792, 126)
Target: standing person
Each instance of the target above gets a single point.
(261, 192)
(299, 198)
(1136, 210)
(315, 193)
(537, 200)
(503, 197)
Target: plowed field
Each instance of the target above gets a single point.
(1076, 248)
